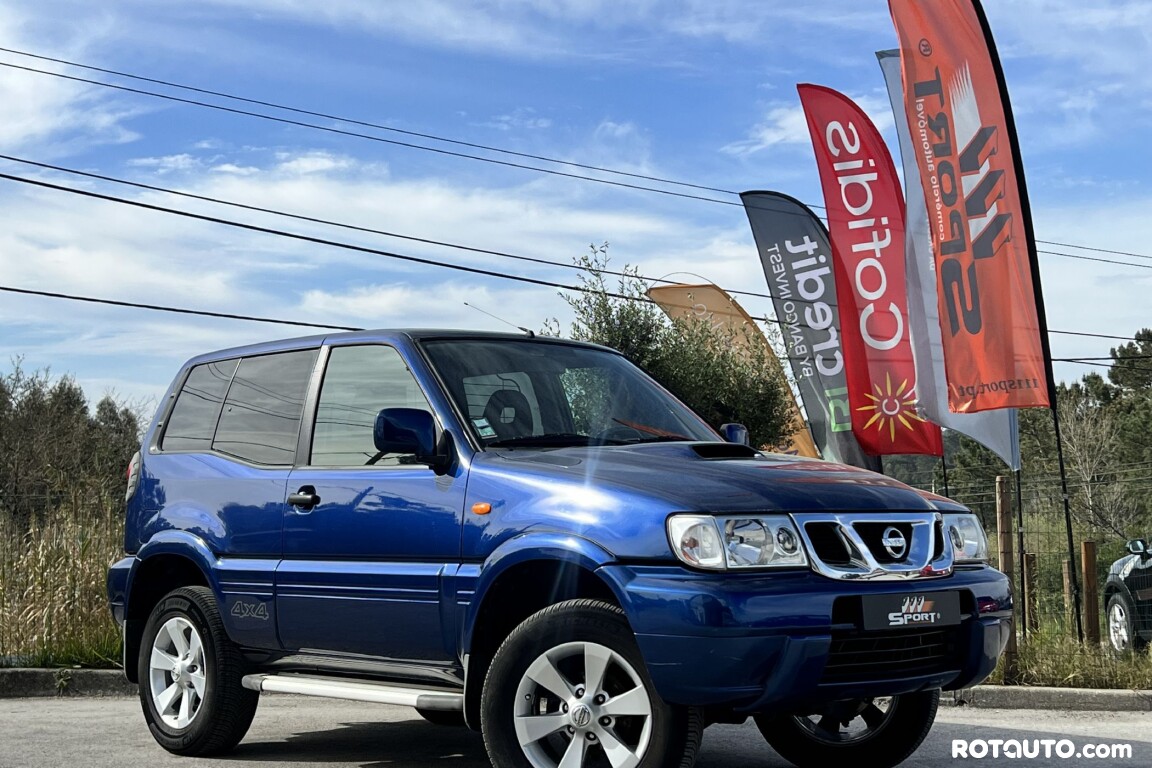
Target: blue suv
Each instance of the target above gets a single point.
(531, 537)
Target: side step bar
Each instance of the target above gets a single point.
(339, 688)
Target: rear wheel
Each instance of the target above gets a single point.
(190, 674)
(877, 733)
(569, 689)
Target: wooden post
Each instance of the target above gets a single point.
(1091, 596)
(1007, 566)
(1069, 620)
(1031, 606)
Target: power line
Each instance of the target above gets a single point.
(1094, 335)
(1096, 258)
(412, 238)
(344, 225)
(358, 135)
(358, 248)
(307, 238)
(1089, 359)
(437, 138)
(367, 124)
(177, 310)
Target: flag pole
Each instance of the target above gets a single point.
(1034, 264)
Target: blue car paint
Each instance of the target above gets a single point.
(395, 564)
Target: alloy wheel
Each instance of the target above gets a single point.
(582, 704)
(177, 675)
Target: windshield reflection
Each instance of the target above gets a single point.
(541, 394)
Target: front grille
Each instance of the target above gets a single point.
(850, 545)
(857, 656)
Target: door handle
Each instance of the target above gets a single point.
(305, 498)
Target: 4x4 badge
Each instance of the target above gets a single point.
(243, 610)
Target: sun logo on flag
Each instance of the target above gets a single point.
(891, 407)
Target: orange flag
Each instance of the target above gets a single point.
(995, 355)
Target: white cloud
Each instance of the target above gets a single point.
(781, 125)
(523, 118)
(236, 170)
(166, 164)
(786, 124)
(49, 116)
(312, 162)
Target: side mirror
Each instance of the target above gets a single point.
(1139, 547)
(735, 433)
(410, 430)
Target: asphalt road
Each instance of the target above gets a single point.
(289, 730)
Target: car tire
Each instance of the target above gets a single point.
(190, 673)
(1122, 637)
(571, 679)
(892, 729)
(442, 716)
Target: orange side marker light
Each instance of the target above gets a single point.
(481, 508)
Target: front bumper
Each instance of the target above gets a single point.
(791, 639)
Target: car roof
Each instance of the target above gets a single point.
(380, 335)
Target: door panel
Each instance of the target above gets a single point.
(363, 568)
(397, 532)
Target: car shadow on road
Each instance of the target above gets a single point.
(415, 743)
(373, 745)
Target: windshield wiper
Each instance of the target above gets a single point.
(660, 435)
(552, 440)
(660, 439)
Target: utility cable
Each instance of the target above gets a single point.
(358, 135)
(427, 136)
(358, 248)
(177, 310)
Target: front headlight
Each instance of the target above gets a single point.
(968, 539)
(719, 543)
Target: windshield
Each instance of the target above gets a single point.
(541, 394)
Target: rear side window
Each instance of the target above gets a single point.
(260, 421)
(359, 382)
(193, 419)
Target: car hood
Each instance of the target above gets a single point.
(717, 477)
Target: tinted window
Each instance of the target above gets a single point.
(261, 417)
(193, 419)
(359, 382)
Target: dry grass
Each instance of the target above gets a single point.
(1052, 657)
(53, 602)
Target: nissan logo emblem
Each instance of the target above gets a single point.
(894, 542)
(581, 715)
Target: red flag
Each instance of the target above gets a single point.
(960, 120)
(866, 223)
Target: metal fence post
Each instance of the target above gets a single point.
(1008, 567)
(1091, 592)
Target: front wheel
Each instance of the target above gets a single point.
(569, 688)
(878, 733)
(1122, 637)
(190, 672)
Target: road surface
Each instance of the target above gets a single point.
(325, 733)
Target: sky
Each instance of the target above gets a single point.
(699, 91)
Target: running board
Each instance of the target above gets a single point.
(338, 688)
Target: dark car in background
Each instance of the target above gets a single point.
(1128, 597)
